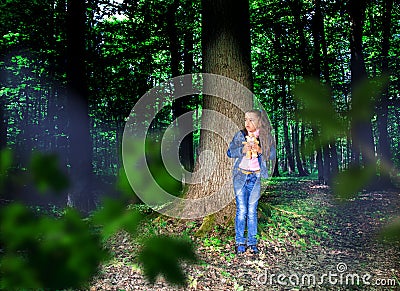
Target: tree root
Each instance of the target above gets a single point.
(206, 226)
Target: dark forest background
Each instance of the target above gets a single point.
(327, 73)
(72, 71)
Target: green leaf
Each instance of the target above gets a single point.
(123, 184)
(364, 97)
(47, 252)
(161, 255)
(6, 159)
(46, 173)
(316, 107)
(349, 182)
(114, 216)
(391, 232)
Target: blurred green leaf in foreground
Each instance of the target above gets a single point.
(46, 173)
(46, 252)
(317, 108)
(162, 255)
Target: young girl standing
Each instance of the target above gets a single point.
(247, 172)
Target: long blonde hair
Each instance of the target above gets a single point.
(266, 137)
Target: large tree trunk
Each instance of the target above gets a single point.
(384, 152)
(361, 130)
(80, 141)
(226, 52)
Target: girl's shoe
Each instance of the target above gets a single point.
(240, 249)
(254, 249)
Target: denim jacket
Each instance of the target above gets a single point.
(235, 150)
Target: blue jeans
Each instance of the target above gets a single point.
(247, 192)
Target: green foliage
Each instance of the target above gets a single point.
(213, 242)
(45, 252)
(162, 255)
(296, 219)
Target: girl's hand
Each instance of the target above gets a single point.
(257, 148)
(246, 148)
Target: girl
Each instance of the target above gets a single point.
(246, 174)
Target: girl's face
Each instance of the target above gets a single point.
(251, 121)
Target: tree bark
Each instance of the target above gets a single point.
(187, 149)
(3, 100)
(333, 157)
(288, 149)
(276, 173)
(296, 146)
(302, 144)
(384, 152)
(3, 126)
(327, 163)
(318, 158)
(361, 130)
(181, 106)
(226, 52)
(324, 170)
(80, 141)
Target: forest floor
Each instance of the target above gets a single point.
(310, 241)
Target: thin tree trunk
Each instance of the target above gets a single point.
(317, 29)
(320, 29)
(275, 125)
(276, 167)
(288, 149)
(3, 124)
(192, 101)
(327, 163)
(3, 102)
(181, 106)
(384, 152)
(302, 144)
(296, 150)
(318, 158)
